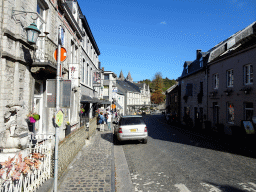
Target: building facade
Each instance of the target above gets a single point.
(26, 69)
(193, 86)
(231, 89)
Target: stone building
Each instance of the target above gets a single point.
(231, 90)
(136, 95)
(193, 84)
(172, 103)
(26, 68)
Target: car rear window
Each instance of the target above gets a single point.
(131, 121)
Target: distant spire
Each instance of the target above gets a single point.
(129, 77)
(121, 76)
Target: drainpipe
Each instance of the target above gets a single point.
(207, 92)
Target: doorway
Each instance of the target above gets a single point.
(215, 113)
(38, 106)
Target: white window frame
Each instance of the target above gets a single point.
(83, 71)
(248, 109)
(248, 74)
(87, 74)
(216, 80)
(230, 78)
(201, 62)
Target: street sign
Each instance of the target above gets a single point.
(63, 54)
(62, 36)
(59, 118)
(65, 93)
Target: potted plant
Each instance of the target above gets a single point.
(33, 117)
(68, 129)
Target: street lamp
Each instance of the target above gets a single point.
(32, 30)
(32, 33)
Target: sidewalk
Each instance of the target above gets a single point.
(93, 168)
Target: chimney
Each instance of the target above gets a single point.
(102, 68)
(197, 53)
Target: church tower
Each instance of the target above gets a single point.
(121, 76)
(129, 77)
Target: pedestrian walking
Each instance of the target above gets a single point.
(109, 121)
(101, 121)
(106, 117)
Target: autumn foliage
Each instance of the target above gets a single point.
(157, 95)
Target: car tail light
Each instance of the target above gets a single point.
(120, 130)
(145, 129)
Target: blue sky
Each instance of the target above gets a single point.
(145, 37)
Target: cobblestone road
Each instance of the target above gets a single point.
(92, 169)
(175, 160)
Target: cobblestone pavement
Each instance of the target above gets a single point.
(93, 168)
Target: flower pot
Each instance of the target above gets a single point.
(32, 120)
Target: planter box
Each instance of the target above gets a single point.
(67, 130)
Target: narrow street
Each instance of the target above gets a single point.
(179, 160)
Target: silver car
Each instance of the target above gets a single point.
(131, 128)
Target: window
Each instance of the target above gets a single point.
(189, 89)
(216, 81)
(186, 111)
(91, 77)
(230, 78)
(201, 87)
(248, 111)
(87, 74)
(187, 68)
(40, 9)
(83, 71)
(106, 76)
(230, 113)
(248, 74)
(201, 62)
(175, 98)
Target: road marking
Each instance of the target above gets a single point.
(212, 188)
(149, 183)
(182, 187)
(253, 184)
(246, 187)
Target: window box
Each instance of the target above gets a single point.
(246, 90)
(228, 91)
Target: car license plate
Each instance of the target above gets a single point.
(133, 130)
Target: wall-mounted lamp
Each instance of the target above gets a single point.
(32, 30)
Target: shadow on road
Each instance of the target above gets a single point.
(226, 188)
(158, 128)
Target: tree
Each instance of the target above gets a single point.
(157, 95)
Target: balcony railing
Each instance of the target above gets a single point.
(45, 50)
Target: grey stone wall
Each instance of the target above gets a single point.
(72, 144)
(69, 148)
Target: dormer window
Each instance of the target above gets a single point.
(201, 61)
(187, 68)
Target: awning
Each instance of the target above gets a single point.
(105, 102)
(88, 99)
(119, 106)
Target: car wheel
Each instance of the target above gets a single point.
(145, 141)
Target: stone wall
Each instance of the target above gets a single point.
(72, 144)
(69, 148)
(92, 127)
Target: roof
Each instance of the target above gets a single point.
(172, 87)
(126, 86)
(87, 28)
(239, 37)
